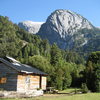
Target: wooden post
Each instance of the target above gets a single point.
(40, 82)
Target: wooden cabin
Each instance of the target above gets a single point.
(15, 76)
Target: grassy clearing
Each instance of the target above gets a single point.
(89, 96)
(70, 90)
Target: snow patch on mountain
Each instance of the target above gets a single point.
(30, 26)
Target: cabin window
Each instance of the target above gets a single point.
(3, 80)
(27, 80)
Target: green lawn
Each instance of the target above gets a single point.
(89, 96)
(70, 90)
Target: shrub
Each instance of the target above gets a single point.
(84, 88)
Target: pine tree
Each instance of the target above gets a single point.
(93, 72)
(55, 54)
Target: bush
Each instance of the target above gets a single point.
(84, 88)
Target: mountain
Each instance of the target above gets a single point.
(31, 27)
(66, 28)
(98, 27)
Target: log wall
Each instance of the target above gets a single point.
(27, 83)
(19, 82)
(10, 76)
(44, 81)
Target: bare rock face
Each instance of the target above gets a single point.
(67, 29)
(63, 27)
(31, 27)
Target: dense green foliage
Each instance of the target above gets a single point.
(84, 88)
(64, 68)
(9, 42)
(93, 72)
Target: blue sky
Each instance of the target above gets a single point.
(39, 10)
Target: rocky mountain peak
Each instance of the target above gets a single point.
(66, 22)
(62, 27)
(30, 26)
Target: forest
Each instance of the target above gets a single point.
(65, 68)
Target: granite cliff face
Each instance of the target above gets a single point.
(67, 29)
(31, 27)
(64, 28)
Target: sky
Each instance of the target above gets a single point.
(39, 10)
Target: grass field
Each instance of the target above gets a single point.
(89, 96)
(70, 90)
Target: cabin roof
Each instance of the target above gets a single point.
(23, 68)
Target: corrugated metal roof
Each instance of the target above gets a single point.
(22, 67)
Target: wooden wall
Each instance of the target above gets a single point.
(27, 83)
(44, 82)
(10, 77)
(30, 82)
(34, 82)
(20, 83)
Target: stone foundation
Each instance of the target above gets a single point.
(13, 94)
